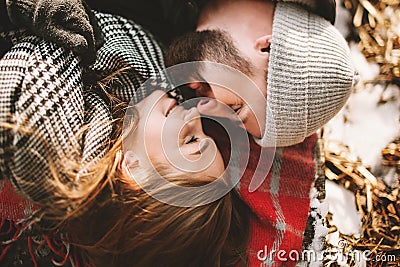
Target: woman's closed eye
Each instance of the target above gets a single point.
(191, 139)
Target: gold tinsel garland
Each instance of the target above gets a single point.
(375, 26)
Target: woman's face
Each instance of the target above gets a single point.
(170, 134)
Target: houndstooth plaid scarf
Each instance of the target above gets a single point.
(43, 91)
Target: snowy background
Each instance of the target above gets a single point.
(367, 124)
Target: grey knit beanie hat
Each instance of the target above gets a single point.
(310, 75)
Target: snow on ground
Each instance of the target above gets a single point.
(366, 125)
(342, 206)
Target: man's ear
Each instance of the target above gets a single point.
(263, 43)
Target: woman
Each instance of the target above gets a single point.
(63, 154)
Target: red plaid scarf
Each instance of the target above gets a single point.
(280, 204)
(12, 206)
(27, 248)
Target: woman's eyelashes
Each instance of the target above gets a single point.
(191, 139)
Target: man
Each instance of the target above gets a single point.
(301, 64)
(298, 61)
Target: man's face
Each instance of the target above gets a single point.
(244, 31)
(251, 109)
(248, 106)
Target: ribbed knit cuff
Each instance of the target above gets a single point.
(21, 12)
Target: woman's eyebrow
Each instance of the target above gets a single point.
(204, 144)
(197, 152)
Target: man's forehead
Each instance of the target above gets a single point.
(230, 15)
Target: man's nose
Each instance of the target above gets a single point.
(213, 107)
